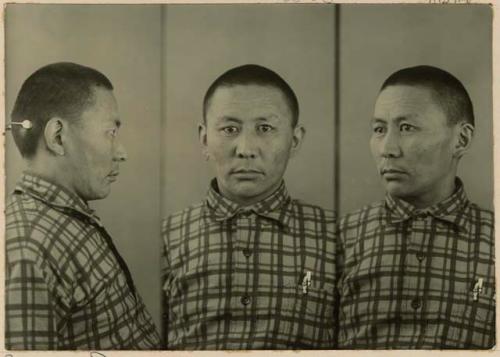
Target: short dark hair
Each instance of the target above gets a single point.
(253, 74)
(449, 92)
(61, 89)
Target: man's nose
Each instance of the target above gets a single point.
(246, 147)
(391, 145)
(120, 153)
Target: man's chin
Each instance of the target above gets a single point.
(98, 195)
(243, 185)
(397, 189)
(245, 192)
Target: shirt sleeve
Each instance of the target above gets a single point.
(30, 322)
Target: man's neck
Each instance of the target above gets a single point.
(249, 201)
(51, 171)
(434, 197)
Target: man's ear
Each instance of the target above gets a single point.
(53, 135)
(465, 133)
(202, 137)
(299, 132)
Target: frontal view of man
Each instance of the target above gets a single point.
(419, 266)
(249, 267)
(67, 287)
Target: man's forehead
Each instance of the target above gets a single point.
(249, 99)
(405, 100)
(103, 108)
(104, 97)
(248, 91)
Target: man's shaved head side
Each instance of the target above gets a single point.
(448, 91)
(62, 90)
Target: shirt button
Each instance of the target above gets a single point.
(416, 304)
(420, 256)
(247, 252)
(245, 300)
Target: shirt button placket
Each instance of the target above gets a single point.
(239, 264)
(245, 241)
(413, 260)
(245, 234)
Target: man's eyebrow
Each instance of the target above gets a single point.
(267, 117)
(397, 119)
(118, 123)
(378, 120)
(229, 118)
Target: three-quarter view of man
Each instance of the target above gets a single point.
(418, 267)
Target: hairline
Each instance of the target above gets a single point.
(436, 97)
(207, 101)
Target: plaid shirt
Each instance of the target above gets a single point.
(233, 276)
(66, 285)
(412, 275)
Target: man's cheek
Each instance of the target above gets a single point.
(425, 155)
(280, 156)
(219, 153)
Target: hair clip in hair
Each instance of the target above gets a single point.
(26, 124)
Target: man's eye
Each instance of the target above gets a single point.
(113, 132)
(406, 127)
(229, 130)
(264, 128)
(379, 129)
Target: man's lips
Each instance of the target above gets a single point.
(246, 173)
(392, 172)
(113, 176)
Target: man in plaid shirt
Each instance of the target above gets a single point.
(67, 287)
(249, 267)
(419, 266)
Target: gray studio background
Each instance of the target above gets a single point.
(162, 58)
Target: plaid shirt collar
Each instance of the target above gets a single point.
(54, 195)
(219, 208)
(449, 210)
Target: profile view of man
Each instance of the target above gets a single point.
(249, 267)
(67, 287)
(419, 266)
